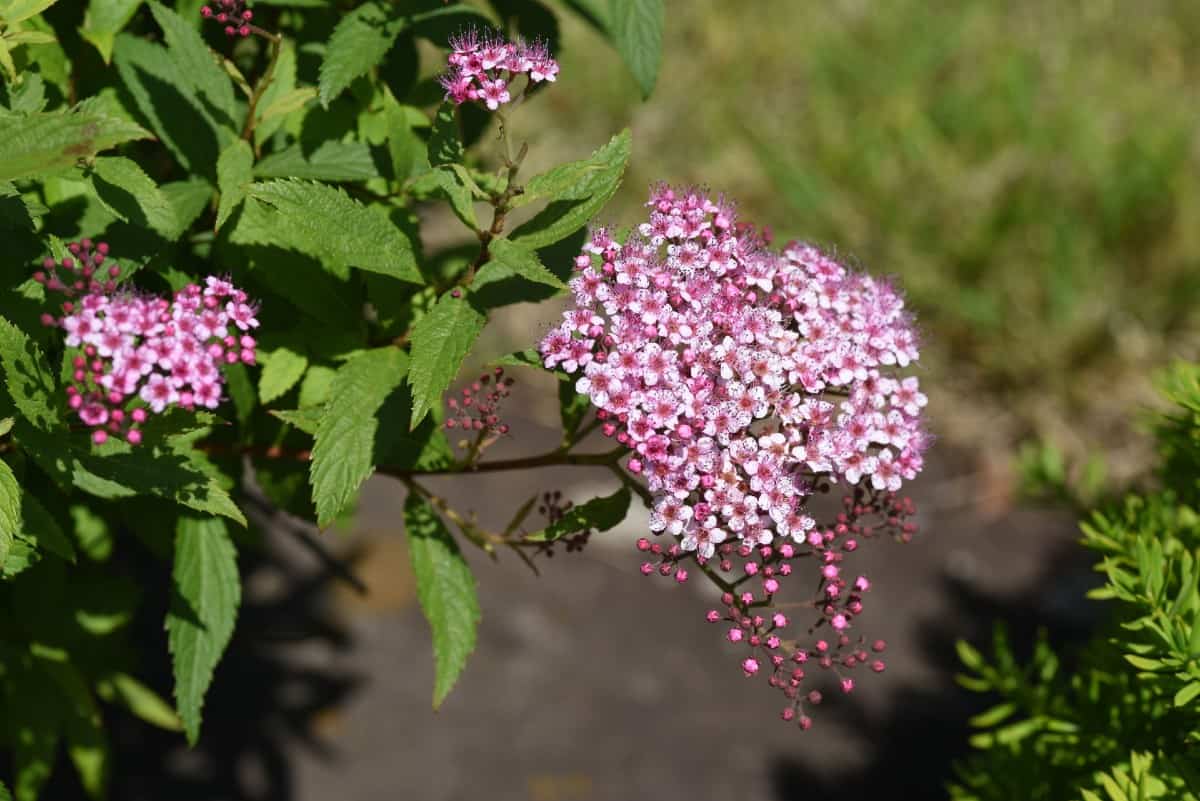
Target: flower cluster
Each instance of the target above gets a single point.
(233, 14)
(479, 408)
(139, 354)
(747, 381)
(483, 66)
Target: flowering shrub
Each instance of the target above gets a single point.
(218, 293)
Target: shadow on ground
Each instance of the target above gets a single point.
(590, 683)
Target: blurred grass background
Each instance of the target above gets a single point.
(1028, 170)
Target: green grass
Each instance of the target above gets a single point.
(1030, 171)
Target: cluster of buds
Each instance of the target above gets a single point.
(761, 614)
(481, 67)
(479, 408)
(82, 272)
(233, 14)
(139, 354)
(745, 381)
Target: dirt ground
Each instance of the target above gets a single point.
(592, 683)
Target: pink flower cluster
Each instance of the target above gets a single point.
(140, 354)
(233, 14)
(746, 381)
(483, 67)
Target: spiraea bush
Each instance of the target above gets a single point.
(219, 290)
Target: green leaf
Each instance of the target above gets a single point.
(345, 437)
(509, 259)
(445, 142)
(185, 119)
(5, 795)
(199, 65)
(968, 655)
(188, 199)
(440, 341)
(29, 380)
(28, 37)
(576, 191)
(331, 161)
(360, 41)
(10, 510)
(104, 20)
(37, 144)
(140, 700)
(447, 183)
(600, 514)
(286, 103)
(325, 223)
(406, 148)
(6, 425)
(281, 370)
(203, 611)
(129, 193)
(446, 590)
(19, 10)
(1187, 693)
(637, 30)
(234, 175)
(364, 36)
(306, 419)
(92, 532)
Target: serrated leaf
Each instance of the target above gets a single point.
(345, 437)
(192, 128)
(360, 41)
(198, 64)
(600, 514)
(130, 194)
(234, 175)
(509, 259)
(440, 341)
(10, 510)
(37, 144)
(445, 141)
(636, 27)
(29, 380)
(281, 370)
(576, 194)
(331, 161)
(325, 223)
(446, 590)
(6, 425)
(446, 183)
(204, 607)
(104, 20)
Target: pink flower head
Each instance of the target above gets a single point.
(481, 67)
(142, 354)
(748, 379)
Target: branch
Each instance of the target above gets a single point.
(553, 458)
